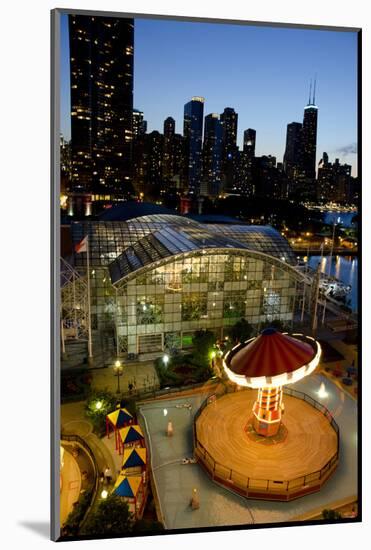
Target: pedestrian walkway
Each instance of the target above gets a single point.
(141, 375)
(74, 423)
(70, 485)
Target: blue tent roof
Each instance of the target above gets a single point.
(124, 489)
(134, 459)
(131, 433)
(127, 486)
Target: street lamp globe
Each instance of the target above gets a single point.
(165, 359)
(118, 370)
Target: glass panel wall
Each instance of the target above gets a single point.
(211, 291)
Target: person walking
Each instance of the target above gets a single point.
(108, 475)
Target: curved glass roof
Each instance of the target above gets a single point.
(132, 244)
(262, 238)
(165, 243)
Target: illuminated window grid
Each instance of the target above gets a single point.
(218, 276)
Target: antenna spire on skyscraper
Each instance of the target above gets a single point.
(314, 90)
(310, 92)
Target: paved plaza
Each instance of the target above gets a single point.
(141, 374)
(175, 480)
(218, 506)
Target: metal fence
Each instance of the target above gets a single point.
(267, 488)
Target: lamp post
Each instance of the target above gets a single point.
(118, 369)
(165, 359)
(332, 249)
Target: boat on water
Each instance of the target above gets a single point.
(334, 289)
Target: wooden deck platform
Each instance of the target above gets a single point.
(309, 445)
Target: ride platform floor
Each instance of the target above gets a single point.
(309, 444)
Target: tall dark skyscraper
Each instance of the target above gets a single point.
(192, 131)
(293, 157)
(334, 181)
(137, 123)
(244, 179)
(168, 160)
(229, 121)
(267, 178)
(169, 127)
(212, 154)
(249, 140)
(178, 158)
(147, 164)
(310, 136)
(101, 64)
(325, 179)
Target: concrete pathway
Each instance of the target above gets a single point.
(142, 374)
(73, 422)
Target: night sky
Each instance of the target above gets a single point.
(262, 72)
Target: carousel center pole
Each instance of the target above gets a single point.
(267, 410)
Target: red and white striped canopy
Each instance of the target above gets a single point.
(272, 359)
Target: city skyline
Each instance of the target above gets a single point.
(328, 54)
(209, 236)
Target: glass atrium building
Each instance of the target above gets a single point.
(156, 279)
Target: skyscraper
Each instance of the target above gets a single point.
(178, 159)
(293, 157)
(310, 136)
(101, 65)
(268, 180)
(342, 181)
(192, 131)
(137, 123)
(334, 181)
(143, 127)
(249, 140)
(147, 165)
(212, 154)
(325, 179)
(168, 160)
(229, 121)
(244, 182)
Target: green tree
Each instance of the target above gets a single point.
(165, 374)
(72, 524)
(203, 343)
(241, 331)
(99, 404)
(111, 517)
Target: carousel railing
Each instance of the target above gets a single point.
(244, 484)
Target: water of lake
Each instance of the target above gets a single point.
(345, 218)
(344, 268)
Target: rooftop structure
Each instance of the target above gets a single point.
(109, 239)
(156, 279)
